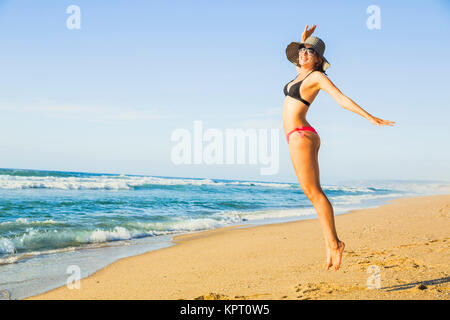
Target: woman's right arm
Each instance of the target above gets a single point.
(307, 33)
(345, 102)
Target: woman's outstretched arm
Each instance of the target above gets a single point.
(307, 33)
(345, 102)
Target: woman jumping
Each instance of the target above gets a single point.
(303, 140)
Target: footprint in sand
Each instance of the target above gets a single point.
(383, 259)
(212, 296)
(310, 290)
(218, 296)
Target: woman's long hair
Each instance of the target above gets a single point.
(318, 67)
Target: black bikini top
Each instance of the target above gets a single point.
(294, 90)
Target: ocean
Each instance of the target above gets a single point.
(51, 221)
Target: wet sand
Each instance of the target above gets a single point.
(405, 242)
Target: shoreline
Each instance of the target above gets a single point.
(91, 259)
(239, 262)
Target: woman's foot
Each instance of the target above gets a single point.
(334, 255)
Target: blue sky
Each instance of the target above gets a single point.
(107, 97)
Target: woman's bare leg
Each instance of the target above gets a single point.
(304, 156)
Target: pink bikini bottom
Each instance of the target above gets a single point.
(300, 129)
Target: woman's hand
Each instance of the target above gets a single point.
(307, 33)
(380, 122)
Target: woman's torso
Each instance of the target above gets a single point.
(294, 110)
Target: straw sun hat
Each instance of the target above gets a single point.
(316, 43)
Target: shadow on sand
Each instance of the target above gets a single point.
(414, 284)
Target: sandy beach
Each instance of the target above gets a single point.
(406, 240)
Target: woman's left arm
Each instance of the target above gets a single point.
(345, 102)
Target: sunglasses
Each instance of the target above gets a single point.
(308, 51)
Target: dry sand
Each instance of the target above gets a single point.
(407, 240)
